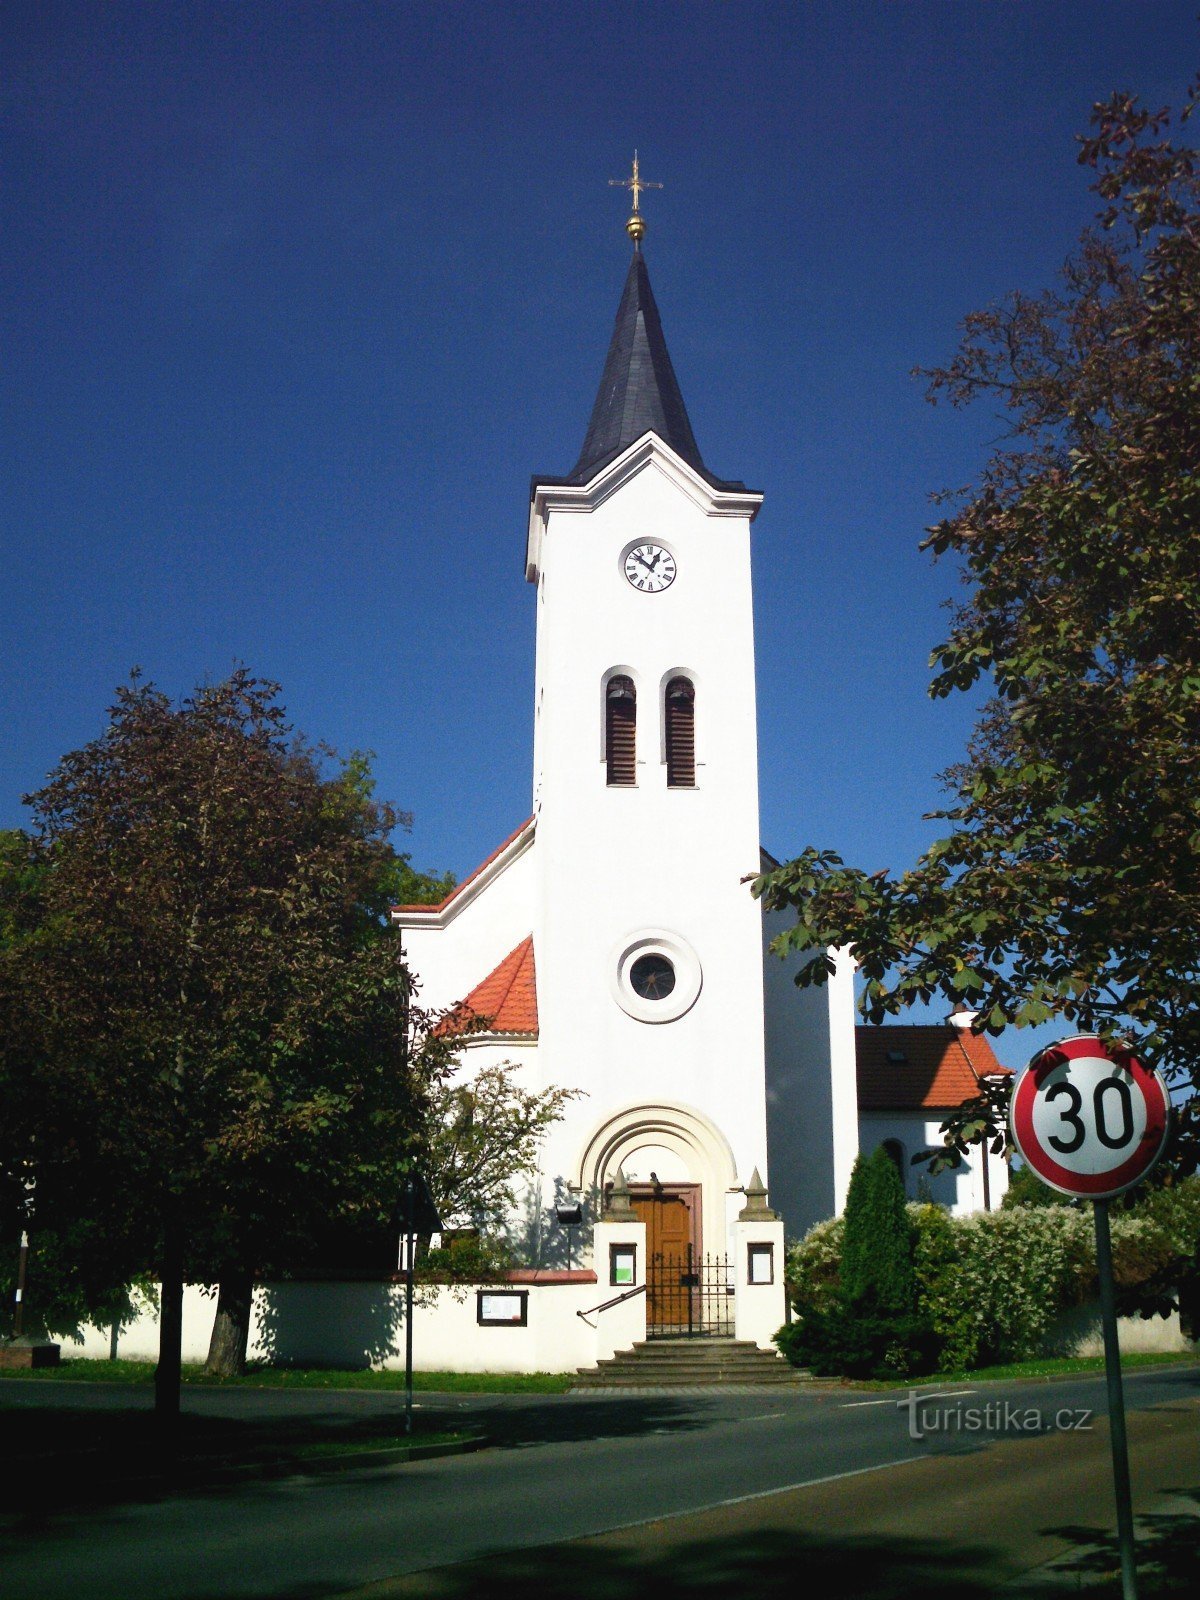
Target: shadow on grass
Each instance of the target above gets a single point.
(73, 1456)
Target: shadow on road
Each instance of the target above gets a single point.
(553, 1422)
(768, 1566)
(74, 1458)
(1168, 1551)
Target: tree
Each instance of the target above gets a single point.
(1068, 884)
(877, 1249)
(483, 1134)
(212, 1046)
(870, 1326)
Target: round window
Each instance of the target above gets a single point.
(652, 976)
(655, 975)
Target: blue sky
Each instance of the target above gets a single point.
(297, 296)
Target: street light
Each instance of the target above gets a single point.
(570, 1215)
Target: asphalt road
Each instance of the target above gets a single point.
(565, 1467)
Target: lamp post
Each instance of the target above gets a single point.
(419, 1213)
(570, 1215)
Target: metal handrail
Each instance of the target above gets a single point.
(615, 1301)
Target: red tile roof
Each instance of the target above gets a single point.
(932, 1066)
(471, 876)
(507, 997)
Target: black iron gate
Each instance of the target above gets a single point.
(689, 1296)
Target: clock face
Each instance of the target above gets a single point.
(649, 568)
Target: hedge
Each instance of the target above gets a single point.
(992, 1284)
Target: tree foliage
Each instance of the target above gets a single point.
(483, 1134)
(877, 1251)
(1068, 882)
(207, 1035)
(866, 1322)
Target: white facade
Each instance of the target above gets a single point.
(675, 1091)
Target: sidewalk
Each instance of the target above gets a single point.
(978, 1520)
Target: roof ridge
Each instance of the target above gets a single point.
(440, 905)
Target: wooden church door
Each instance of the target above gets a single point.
(672, 1217)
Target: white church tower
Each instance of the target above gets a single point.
(645, 784)
(612, 939)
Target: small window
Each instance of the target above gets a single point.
(620, 731)
(681, 734)
(622, 1265)
(760, 1263)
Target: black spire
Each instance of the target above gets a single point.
(639, 392)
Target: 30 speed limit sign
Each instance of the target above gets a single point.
(1089, 1118)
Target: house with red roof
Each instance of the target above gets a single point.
(909, 1079)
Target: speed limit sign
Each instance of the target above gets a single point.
(1089, 1118)
(1090, 1121)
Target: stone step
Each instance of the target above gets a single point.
(689, 1363)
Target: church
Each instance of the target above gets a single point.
(611, 940)
(610, 945)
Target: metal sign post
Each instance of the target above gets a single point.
(420, 1213)
(1091, 1121)
(410, 1215)
(1116, 1403)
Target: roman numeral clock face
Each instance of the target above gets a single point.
(649, 568)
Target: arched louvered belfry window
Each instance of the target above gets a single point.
(681, 734)
(620, 731)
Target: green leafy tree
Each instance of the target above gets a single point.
(483, 1135)
(1068, 882)
(211, 1045)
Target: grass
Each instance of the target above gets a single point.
(1041, 1367)
(262, 1377)
(69, 1454)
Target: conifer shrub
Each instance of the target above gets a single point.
(868, 1324)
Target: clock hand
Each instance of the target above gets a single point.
(649, 565)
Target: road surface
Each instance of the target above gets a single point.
(566, 1467)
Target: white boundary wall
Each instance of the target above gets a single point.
(361, 1325)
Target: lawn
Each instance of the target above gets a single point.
(263, 1377)
(72, 1454)
(1041, 1367)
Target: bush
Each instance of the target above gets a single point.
(989, 1287)
(866, 1322)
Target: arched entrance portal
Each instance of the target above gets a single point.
(679, 1168)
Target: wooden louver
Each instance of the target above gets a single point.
(620, 731)
(681, 734)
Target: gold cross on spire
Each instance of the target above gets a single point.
(636, 226)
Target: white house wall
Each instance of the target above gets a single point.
(962, 1189)
(450, 960)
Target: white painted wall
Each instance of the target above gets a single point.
(453, 951)
(612, 862)
(811, 1087)
(760, 1309)
(960, 1190)
(360, 1325)
(621, 1326)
